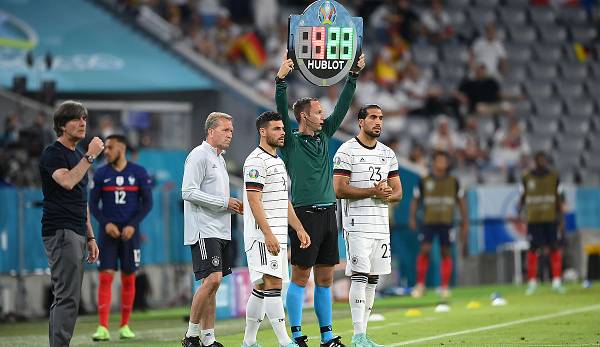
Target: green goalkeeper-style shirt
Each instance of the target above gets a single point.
(307, 157)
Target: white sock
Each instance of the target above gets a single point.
(255, 313)
(358, 302)
(369, 298)
(208, 337)
(276, 314)
(193, 330)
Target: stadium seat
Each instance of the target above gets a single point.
(457, 17)
(516, 72)
(518, 53)
(455, 54)
(595, 68)
(553, 34)
(512, 88)
(582, 106)
(425, 55)
(451, 72)
(548, 127)
(583, 34)
(548, 108)
(593, 87)
(542, 15)
(419, 128)
(481, 16)
(512, 16)
(522, 34)
(548, 53)
(569, 89)
(486, 3)
(459, 3)
(541, 71)
(591, 161)
(522, 4)
(565, 161)
(567, 143)
(572, 15)
(574, 71)
(594, 145)
(539, 89)
(588, 176)
(539, 142)
(523, 108)
(576, 128)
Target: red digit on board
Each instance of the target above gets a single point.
(318, 42)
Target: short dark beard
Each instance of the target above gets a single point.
(372, 134)
(274, 143)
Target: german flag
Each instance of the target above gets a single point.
(250, 47)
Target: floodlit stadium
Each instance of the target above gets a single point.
(486, 113)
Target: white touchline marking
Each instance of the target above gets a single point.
(500, 325)
(417, 320)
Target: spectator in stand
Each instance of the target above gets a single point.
(445, 139)
(511, 149)
(224, 34)
(418, 158)
(424, 98)
(475, 148)
(436, 24)
(209, 11)
(482, 95)
(489, 51)
(406, 20)
(36, 136)
(392, 59)
(265, 16)
(11, 131)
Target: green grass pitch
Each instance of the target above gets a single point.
(544, 319)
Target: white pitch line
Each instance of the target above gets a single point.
(500, 325)
(417, 320)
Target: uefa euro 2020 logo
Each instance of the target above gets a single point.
(327, 13)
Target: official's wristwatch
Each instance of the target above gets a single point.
(90, 158)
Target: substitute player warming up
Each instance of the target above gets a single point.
(125, 192)
(266, 229)
(440, 192)
(542, 197)
(365, 177)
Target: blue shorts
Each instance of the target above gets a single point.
(428, 232)
(542, 234)
(127, 253)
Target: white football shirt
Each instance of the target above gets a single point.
(266, 173)
(365, 166)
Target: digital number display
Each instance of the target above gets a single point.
(337, 40)
(324, 42)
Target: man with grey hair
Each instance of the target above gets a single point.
(207, 224)
(66, 228)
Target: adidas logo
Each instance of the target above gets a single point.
(362, 159)
(276, 171)
(214, 166)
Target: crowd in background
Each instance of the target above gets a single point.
(406, 90)
(473, 118)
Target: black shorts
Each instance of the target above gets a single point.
(428, 232)
(321, 225)
(542, 234)
(211, 255)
